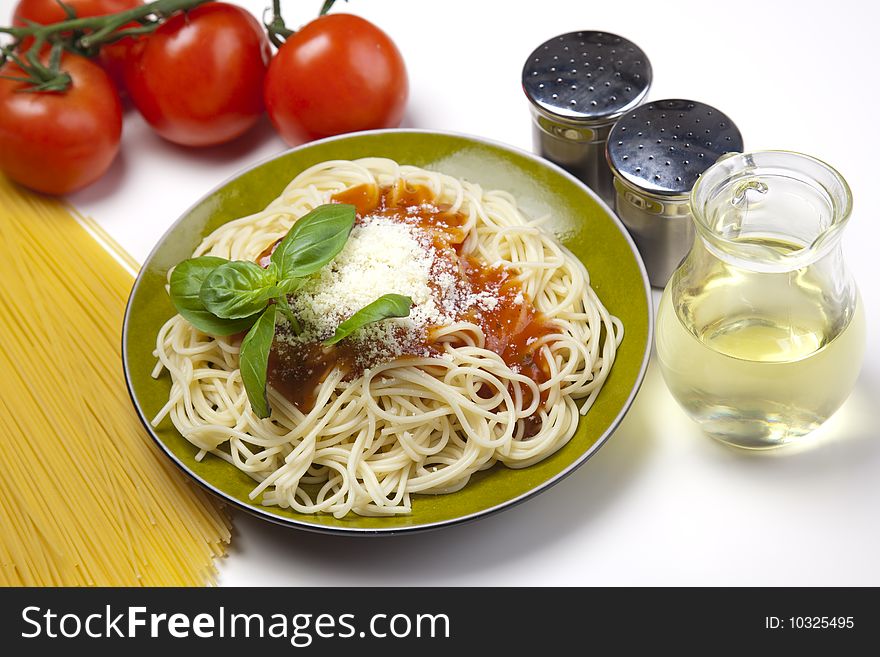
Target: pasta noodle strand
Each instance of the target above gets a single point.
(86, 498)
(412, 425)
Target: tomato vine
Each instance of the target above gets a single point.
(83, 36)
(86, 35)
(277, 29)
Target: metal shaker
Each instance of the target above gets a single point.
(579, 84)
(656, 153)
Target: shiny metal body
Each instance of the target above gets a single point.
(656, 153)
(578, 85)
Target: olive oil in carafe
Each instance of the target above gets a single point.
(756, 358)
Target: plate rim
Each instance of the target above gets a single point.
(262, 512)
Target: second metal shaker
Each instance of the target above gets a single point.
(578, 85)
(657, 152)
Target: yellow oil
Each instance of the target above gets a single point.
(758, 359)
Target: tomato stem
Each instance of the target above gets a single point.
(80, 35)
(69, 11)
(276, 29)
(327, 5)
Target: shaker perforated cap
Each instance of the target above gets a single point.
(586, 76)
(664, 146)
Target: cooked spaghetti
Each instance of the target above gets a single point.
(86, 498)
(505, 338)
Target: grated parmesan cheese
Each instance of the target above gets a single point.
(386, 255)
(382, 256)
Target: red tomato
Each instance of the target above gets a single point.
(340, 73)
(58, 142)
(113, 55)
(50, 11)
(114, 58)
(198, 80)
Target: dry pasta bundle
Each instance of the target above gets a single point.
(85, 497)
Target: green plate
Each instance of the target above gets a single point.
(581, 221)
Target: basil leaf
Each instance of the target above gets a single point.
(186, 282)
(239, 289)
(284, 309)
(289, 285)
(314, 240)
(254, 361)
(386, 306)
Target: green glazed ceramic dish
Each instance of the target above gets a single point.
(583, 223)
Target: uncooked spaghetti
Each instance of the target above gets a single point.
(505, 347)
(85, 496)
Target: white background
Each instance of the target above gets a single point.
(660, 503)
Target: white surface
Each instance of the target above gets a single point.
(659, 504)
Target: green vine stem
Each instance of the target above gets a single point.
(98, 30)
(80, 35)
(276, 28)
(85, 36)
(326, 6)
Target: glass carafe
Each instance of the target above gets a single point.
(760, 331)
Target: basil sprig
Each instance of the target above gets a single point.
(186, 284)
(224, 297)
(385, 307)
(239, 288)
(253, 361)
(309, 245)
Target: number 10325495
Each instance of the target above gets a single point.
(809, 622)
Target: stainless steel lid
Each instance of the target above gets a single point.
(664, 146)
(586, 76)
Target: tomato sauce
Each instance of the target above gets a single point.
(413, 204)
(296, 370)
(512, 326)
